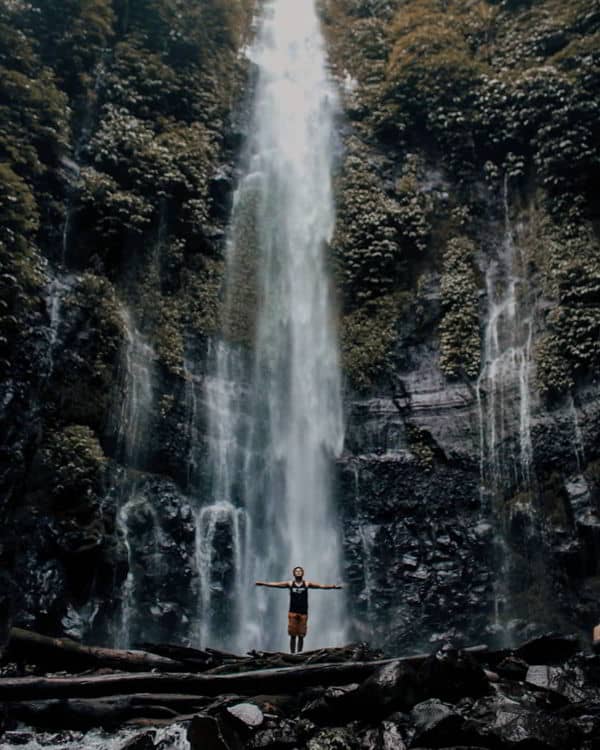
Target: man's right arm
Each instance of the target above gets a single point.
(274, 584)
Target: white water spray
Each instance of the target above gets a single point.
(272, 447)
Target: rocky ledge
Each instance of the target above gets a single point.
(541, 695)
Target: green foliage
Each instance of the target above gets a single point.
(18, 208)
(368, 335)
(377, 233)
(571, 347)
(111, 211)
(85, 370)
(203, 289)
(420, 444)
(460, 337)
(73, 461)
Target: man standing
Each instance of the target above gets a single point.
(298, 613)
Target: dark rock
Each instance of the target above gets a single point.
(436, 723)
(143, 741)
(335, 705)
(499, 721)
(276, 735)
(210, 733)
(552, 648)
(512, 668)
(450, 675)
(333, 739)
(569, 681)
(394, 686)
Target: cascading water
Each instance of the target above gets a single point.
(136, 407)
(504, 405)
(275, 423)
(503, 388)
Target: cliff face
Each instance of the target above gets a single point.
(468, 258)
(467, 261)
(116, 156)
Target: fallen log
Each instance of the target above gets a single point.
(265, 681)
(64, 653)
(196, 660)
(85, 713)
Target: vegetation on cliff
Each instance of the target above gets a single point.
(476, 93)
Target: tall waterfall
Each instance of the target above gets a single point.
(275, 417)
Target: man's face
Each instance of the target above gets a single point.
(298, 572)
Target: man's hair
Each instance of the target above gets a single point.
(298, 567)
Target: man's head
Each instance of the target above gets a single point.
(298, 573)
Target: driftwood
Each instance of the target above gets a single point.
(264, 681)
(64, 653)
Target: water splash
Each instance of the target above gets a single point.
(173, 737)
(272, 443)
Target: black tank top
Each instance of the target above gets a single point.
(299, 598)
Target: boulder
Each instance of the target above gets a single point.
(451, 675)
(280, 734)
(551, 648)
(436, 723)
(211, 733)
(395, 686)
(247, 715)
(333, 739)
(498, 721)
(512, 668)
(143, 741)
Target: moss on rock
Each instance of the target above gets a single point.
(460, 336)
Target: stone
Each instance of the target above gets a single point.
(436, 723)
(333, 739)
(247, 714)
(517, 722)
(210, 733)
(143, 741)
(512, 668)
(279, 734)
(450, 675)
(551, 648)
(395, 686)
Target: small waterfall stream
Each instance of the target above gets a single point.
(275, 423)
(134, 421)
(504, 407)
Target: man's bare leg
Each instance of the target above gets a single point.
(300, 643)
(293, 644)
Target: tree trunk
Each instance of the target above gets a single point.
(64, 653)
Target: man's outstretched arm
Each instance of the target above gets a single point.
(274, 584)
(313, 585)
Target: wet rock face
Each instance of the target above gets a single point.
(424, 548)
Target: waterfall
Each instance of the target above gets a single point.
(137, 396)
(503, 388)
(58, 288)
(275, 417)
(504, 407)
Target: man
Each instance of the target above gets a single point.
(298, 613)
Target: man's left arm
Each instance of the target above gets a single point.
(313, 585)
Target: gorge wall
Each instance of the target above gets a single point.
(467, 264)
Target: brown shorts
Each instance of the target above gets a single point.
(297, 624)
